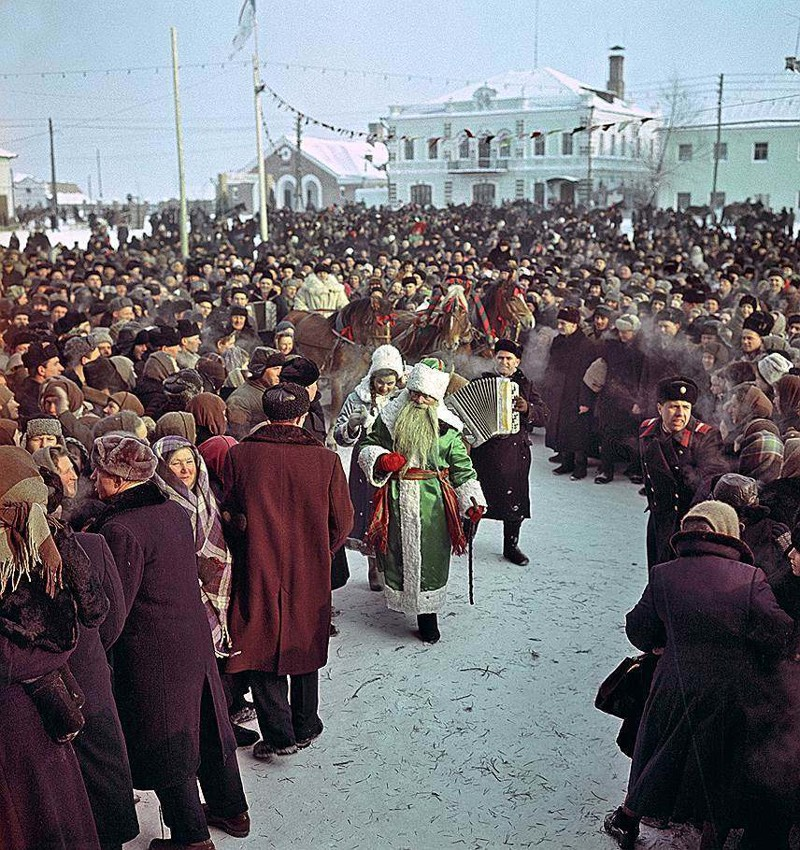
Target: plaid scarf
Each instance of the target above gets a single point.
(213, 558)
(761, 456)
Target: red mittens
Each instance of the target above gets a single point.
(392, 462)
(475, 513)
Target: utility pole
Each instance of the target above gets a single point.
(184, 229)
(99, 177)
(716, 148)
(589, 162)
(262, 172)
(53, 185)
(535, 34)
(298, 192)
(89, 181)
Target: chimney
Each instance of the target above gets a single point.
(616, 79)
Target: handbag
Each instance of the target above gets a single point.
(58, 699)
(625, 690)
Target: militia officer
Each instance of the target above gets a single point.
(503, 463)
(680, 455)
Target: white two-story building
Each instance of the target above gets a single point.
(523, 135)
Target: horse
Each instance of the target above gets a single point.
(445, 328)
(507, 310)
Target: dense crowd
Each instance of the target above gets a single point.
(172, 524)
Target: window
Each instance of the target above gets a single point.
(448, 192)
(433, 149)
(601, 144)
(760, 151)
(504, 148)
(539, 146)
(538, 194)
(684, 153)
(519, 190)
(721, 151)
(408, 149)
(684, 200)
(483, 193)
(422, 194)
(448, 130)
(638, 152)
(520, 129)
(717, 200)
(566, 144)
(463, 149)
(392, 156)
(613, 150)
(393, 193)
(623, 145)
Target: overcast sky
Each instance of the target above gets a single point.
(129, 117)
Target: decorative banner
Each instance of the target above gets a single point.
(247, 19)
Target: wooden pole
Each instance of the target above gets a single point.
(713, 203)
(183, 216)
(53, 184)
(298, 192)
(262, 172)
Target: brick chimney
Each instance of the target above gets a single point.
(616, 72)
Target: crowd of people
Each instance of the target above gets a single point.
(173, 522)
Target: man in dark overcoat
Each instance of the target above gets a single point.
(292, 494)
(569, 430)
(166, 682)
(680, 456)
(503, 463)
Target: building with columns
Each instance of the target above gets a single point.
(535, 135)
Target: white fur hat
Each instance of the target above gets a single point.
(428, 377)
(387, 357)
(773, 367)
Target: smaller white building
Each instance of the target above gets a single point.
(31, 193)
(759, 156)
(6, 188)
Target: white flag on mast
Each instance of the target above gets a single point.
(247, 18)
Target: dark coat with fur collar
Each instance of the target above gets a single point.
(294, 496)
(164, 658)
(718, 621)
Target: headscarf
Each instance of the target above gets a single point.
(214, 452)
(73, 391)
(209, 412)
(176, 423)
(791, 458)
(8, 427)
(26, 544)
(789, 395)
(5, 397)
(761, 456)
(213, 558)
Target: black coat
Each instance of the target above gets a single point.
(718, 621)
(570, 356)
(164, 658)
(782, 497)
(100, 747)
(503, 463)
(678, 470)
(621, 391)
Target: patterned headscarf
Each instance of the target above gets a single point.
(213, 558)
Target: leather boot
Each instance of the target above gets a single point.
(374, 574)
(428, 628)
(511, 550)
(170, 844)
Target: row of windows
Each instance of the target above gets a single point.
(717, 200)
(760, 152)
(626, 147)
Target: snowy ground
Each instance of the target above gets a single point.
(489, 738)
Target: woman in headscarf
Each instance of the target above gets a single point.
(176, 424)
(782, 495)
(787, 404)
(761, 451)
(210, 415)
(214, 452)
(358, 413)
(182, 476)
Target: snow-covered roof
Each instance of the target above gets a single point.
(343, 158)
(749, 109)
(4, 154)
(541, 84)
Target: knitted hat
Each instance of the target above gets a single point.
(43, 425)
(773, 367)
(721, 518)
(177, 423)
(300, 370)
(285, 402)
(99, 335)
(430, 378)
(628, 323)
(736, 490)
(124, 456)
(264, 358)
(387, 357)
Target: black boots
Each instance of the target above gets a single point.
(622, 827)
(428, 628)
(511, 550)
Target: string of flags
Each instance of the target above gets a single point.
(466, 133)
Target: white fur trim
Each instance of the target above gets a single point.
(432, 382)
(412, 599)
(367, 459)
(466, 492)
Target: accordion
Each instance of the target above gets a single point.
(485, 406)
